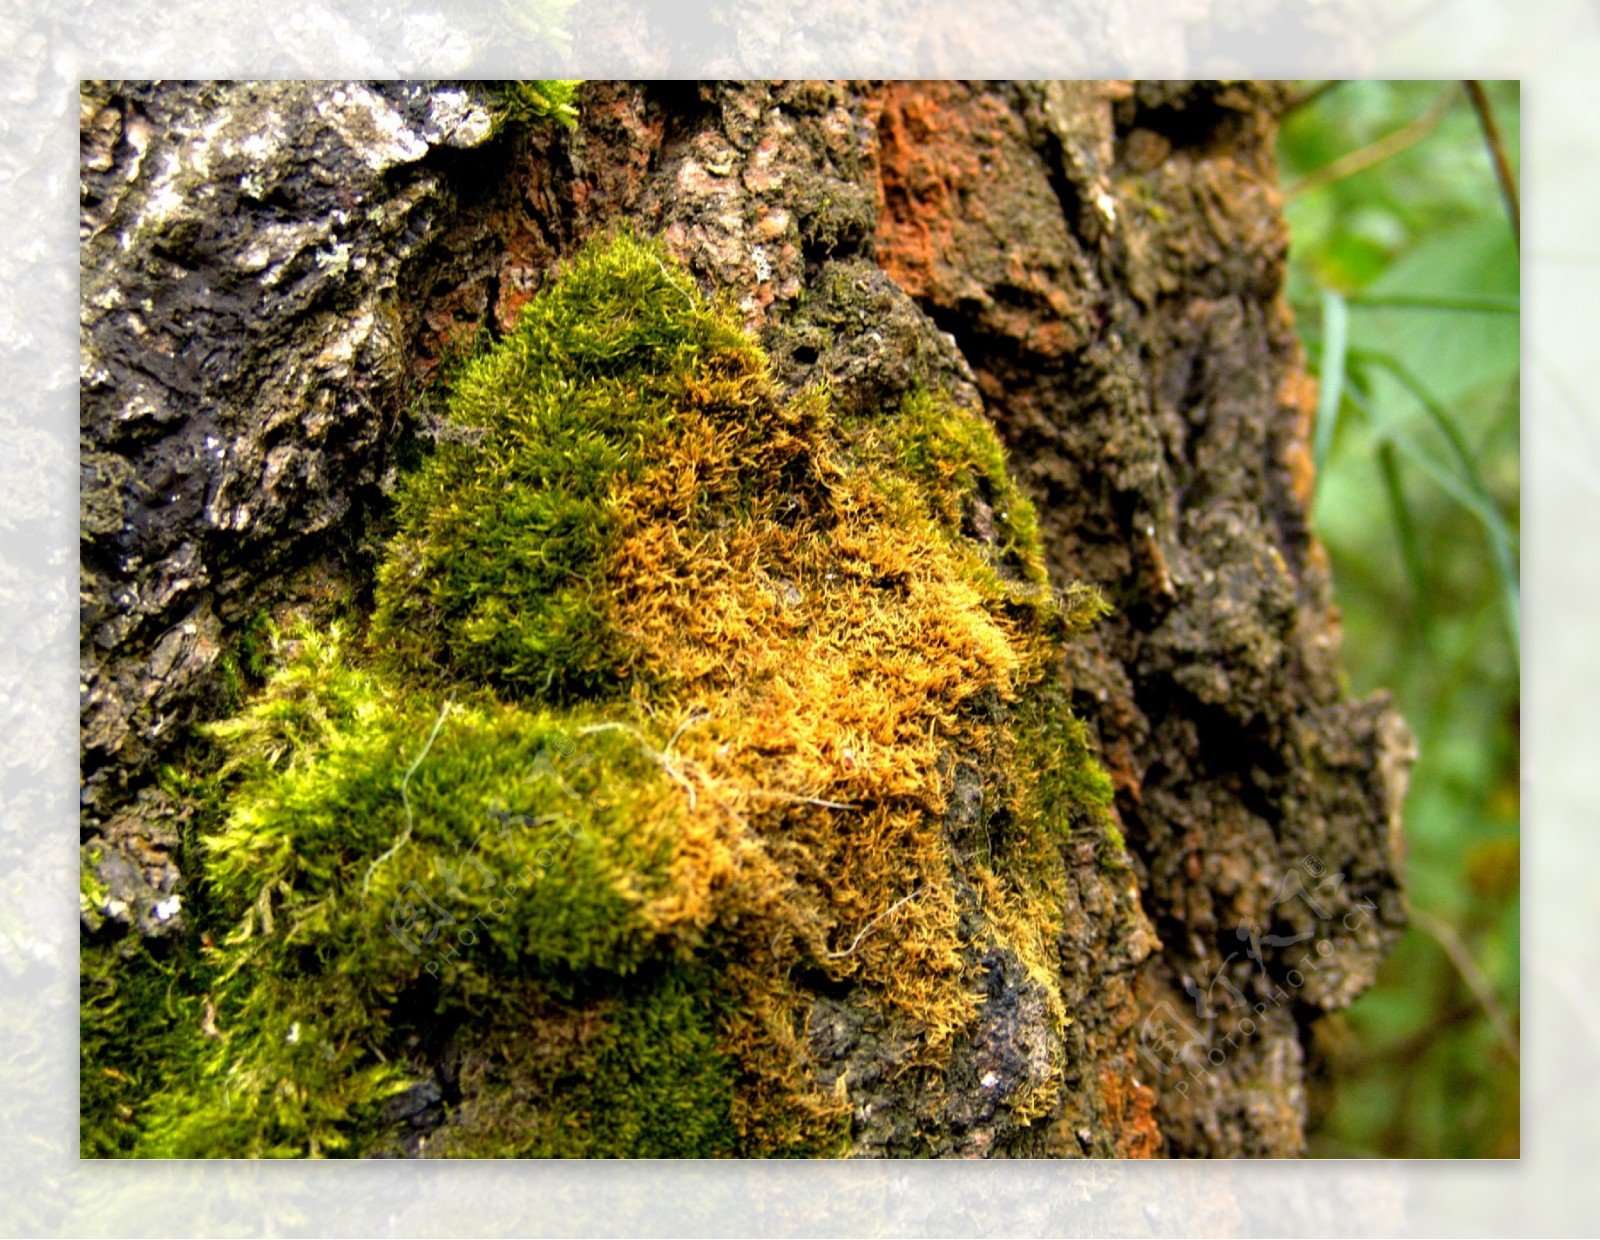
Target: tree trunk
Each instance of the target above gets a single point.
(272, 274)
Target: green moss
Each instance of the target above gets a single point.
(1067, 787)
(273, 1064)
(1068, 792)
(92, 890)
(1114, 850)
(247, 660)
(638, 1074)
(659, 1087)
(134, 1015)
(959, 462)
(364, 813)
(531, 101)
(497, 571)
(578, 759)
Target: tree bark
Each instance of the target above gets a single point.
(272, 272)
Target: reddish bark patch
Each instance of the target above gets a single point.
(1130, 1111)
(927, 161)
(966, 219)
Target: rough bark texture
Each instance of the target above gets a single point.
(271, 272)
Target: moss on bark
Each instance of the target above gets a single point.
(964, 960)
(670, 686)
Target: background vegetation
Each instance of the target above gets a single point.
(1405, 280)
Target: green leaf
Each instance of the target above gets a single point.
(1450, 354)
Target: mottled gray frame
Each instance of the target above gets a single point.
(47, 46)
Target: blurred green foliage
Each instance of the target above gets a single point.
(1405, 282)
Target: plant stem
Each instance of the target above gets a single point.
(1375, 153)
(1497, 153)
